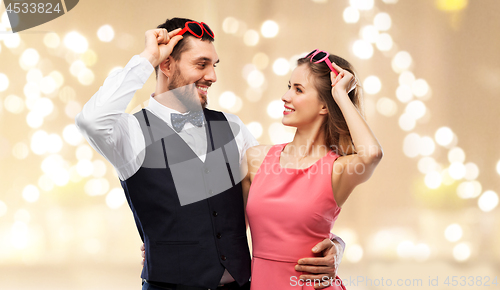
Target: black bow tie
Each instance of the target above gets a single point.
(194, 117)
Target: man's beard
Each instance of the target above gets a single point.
(186, 93)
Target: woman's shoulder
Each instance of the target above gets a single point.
(258, 152)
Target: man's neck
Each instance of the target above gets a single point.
(168, 99)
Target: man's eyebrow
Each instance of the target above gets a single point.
(204, 58)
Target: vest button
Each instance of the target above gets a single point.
(219, 236)
(223, 257)
(207, 170)
(214, 213)
(210, 192)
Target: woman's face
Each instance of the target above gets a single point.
(302, 104)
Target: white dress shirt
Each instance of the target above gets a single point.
(117, 135)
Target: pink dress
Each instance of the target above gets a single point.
(289, 211)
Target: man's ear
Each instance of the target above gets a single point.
(166, 66)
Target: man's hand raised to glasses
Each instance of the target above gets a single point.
(159, 44)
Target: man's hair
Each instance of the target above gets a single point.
(182, 45)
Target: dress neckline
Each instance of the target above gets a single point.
(290, 168)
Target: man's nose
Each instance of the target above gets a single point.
(211, 76)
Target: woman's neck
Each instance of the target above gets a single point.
(308, 142)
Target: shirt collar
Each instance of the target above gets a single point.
(161, 111)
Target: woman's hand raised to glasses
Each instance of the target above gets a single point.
(343, 82)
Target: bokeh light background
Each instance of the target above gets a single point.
(431, 75)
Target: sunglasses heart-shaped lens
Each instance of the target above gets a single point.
(195, 29)
(319, 56)
(207, 29)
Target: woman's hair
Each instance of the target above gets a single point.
(337, 133)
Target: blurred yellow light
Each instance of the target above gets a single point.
(281, 66)
(457, 170)
(407, 122)
(84, 168)
(227, 99)
(453, 232)
(353, 253)
(67, 94)
(251, 37)
(269, 29)
(420, 87)
(406, 78)
(384, 42)
(362, 4)
(51, 40)
(386, 107)
(451, 5)
(488, 201)
(260, 60)
(99, 168)
(39, 142)
(45, 183)
(19, 235)
(401, 61)
(43, 106)
(76, 67)
(105, 33)
(20, 150)
(34, 120)
(72, 135)
(30, 57)
(253, 94)
(444, 136)
(471, 171)
(31, 193)
(34, 75)
(411, 146)
(433, 179)
(12, 40)
(422, 252)
(372, 85)
(416, 109)
(60, 176)
(369, 33)
(96, 186)
(89, 58)
(247, 69)
(51, 163)
(57, 77)
(14, 104)
(469, 189)
(427, 164)
(255, 79)
(76, 42)
(456, 154)
(461, 252)
(404, 93)
(115, 198)
(72, 109)
(382, 21)
(279, 133)
(84, 152)
(351, 15)
(498, 167)
(406, 249)
(362, 49)
(4, 82)
(256, 129)
(427, 146)
(86, 77)
(54, 143)
(275, 109)
(230, 25)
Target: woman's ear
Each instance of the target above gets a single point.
(166, 67)
(323, 110)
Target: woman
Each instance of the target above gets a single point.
(297, 189)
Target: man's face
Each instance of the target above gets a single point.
(194, 73)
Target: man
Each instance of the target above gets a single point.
(178, 163)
